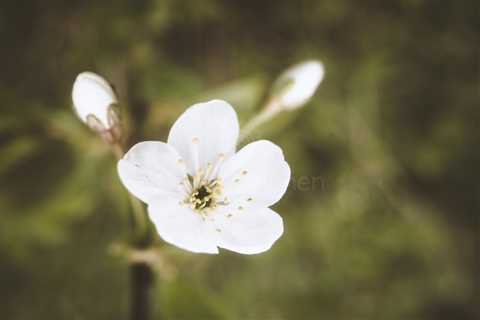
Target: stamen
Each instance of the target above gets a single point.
(197, 179)
(186, 185)
(204, 179)
(237, 175)
(224, 202)
(216, 166)
(195, 158)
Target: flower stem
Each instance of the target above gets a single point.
(141, 274)
(141, 281)
(271, 109)
(138, 214)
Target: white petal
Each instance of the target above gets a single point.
(92, 94)
(151, 169)
(203, 132)
(250, 232)
(300, 83)
(179, 225)
(257, 175)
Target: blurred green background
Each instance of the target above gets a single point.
(381, 218)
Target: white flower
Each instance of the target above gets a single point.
(92, 95)
(200, 193)
(298, 84)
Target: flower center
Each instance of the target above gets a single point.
(203, 189)
(205, 197)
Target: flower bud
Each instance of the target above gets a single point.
(93, 98)
(296, 85)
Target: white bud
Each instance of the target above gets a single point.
(92, 98)
(296, 85)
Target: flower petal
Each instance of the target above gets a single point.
(203, 132)
(152, 168)
(249, 232)
(256, 176)
(182, 227)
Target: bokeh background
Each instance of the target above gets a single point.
(381, 218)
